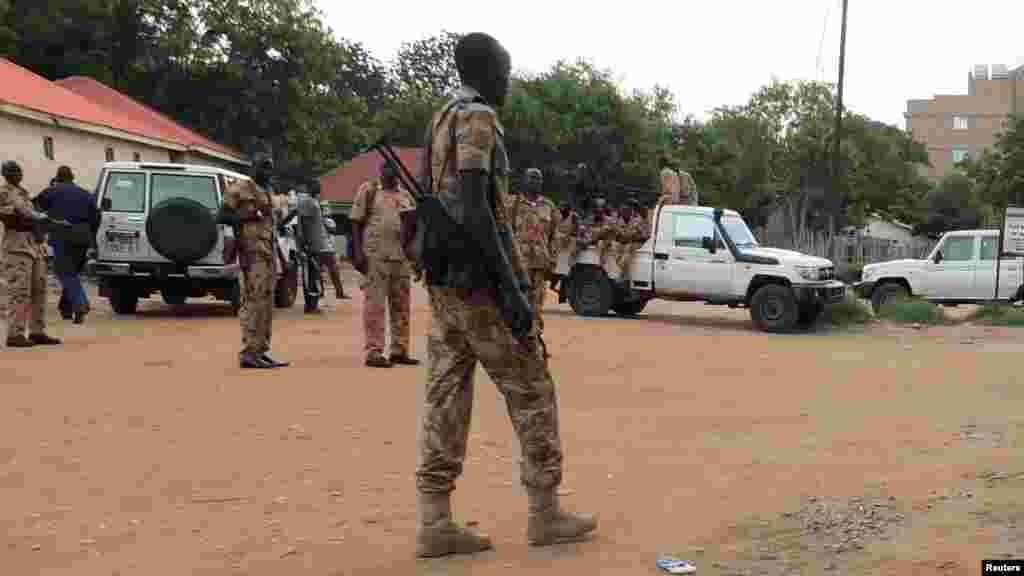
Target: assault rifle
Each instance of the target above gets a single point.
(438, 239)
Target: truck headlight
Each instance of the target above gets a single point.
(807, 272)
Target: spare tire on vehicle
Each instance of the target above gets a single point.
(181, 230)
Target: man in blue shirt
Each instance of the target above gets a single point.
(65, 200)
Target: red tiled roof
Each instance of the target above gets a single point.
(341, 184)
(85, 100)
(161, 126)
(21, 87)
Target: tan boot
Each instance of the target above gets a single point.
(549, 524)
(436, 533)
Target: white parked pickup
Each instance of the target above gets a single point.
(699, 253)
(961, 269)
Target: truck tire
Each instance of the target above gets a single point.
(629, 308)
(181, 230)
(809, 313)
(287, 288)
(591, 292)
(123, 300)
(774, 309)
(887, 293)
(173, 297)
(235, 298)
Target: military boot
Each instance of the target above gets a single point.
(549, 524)
(19, 341)
(436, 533)
(43, 339)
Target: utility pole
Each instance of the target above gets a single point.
(834, 200)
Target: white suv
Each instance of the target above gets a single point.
(158, 234)
(961, 269)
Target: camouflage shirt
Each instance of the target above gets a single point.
(257, 236)
(633, 231)
(479, 145)
(15, 205)
(536, 230)
(382, 234)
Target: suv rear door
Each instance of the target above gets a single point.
(197, 186)
(122, 233)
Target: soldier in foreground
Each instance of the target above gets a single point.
(535, 220)
(377, 255)
(248, 207)
(24, 261)
(474, 319)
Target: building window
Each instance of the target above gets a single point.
(961, 123)
(960, 154)
(48, 147)
(110, 154)
(136, 157)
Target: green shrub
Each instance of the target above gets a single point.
(850, 311)
(913, 311)
(998, 315)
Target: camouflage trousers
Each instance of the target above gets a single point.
(257, 311)
(26, 294)
(538, 278)
(387, 290)
(624, 258)
(466, 329)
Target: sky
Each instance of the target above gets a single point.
(715, 53)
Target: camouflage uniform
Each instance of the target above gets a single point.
(24, 262)
(535, 225)
(388, 279)
(256, 257)
(632, 235)
(466, 328)
(3, 274)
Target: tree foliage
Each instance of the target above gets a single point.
(269, 75)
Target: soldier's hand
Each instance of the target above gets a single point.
(517, 312)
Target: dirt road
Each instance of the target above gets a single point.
(140, 448)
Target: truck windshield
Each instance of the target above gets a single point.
(737, 229)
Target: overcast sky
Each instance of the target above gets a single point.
(718, 52)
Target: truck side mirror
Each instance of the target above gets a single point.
(708, 244)
(938, 257)
(106, 204)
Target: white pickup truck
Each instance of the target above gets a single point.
(699, 253)
(961, 269)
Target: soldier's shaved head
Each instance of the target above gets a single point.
(485, 65)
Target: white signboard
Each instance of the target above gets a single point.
(1013, 231)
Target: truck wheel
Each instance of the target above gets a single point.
(235, 297)
(887, 294)
(809, 312)
(124, 300)
(629, 308)
(287, 288)
(592, 293)
(774, 309)
(173, 297)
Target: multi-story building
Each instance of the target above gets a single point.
(957, 126)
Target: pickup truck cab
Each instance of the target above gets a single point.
(961, 269)
(699, 253)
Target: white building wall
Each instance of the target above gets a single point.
(22, 140)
